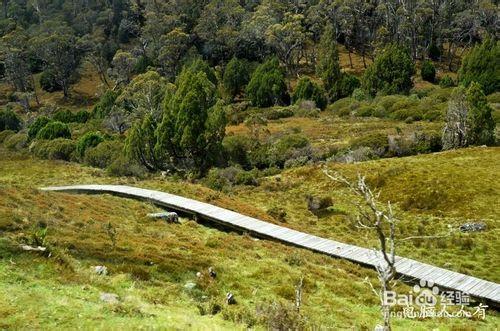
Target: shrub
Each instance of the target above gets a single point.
(282, 150)
(236, 76)
(277, 213)
(123, 166)
(103, 154)
(390, 73)
(267, 86)
(9, 120)
(341, 107)
(236, 150)
(81, 116)
(36, 126)
(306, 108)
(106, 102)
(5, 134)
(54, 130)
(90, 139)
(16, 141)
(224, 178)
(348, 83)
(63, 116)
(359, 94)
(66, 116)
(57, 149)
(48, 82)
(308, 90)
(446, 81)
(277, 113)
(359, 154)
(481, 65)
(428, 71)
(434, 52)
(376, 141)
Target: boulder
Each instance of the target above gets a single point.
(101, 270)
(110, 298)
(473, 227)
(170, 217)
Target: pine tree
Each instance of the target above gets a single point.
(390, 73)
(309, 90)
(267, 86)
(328, 66)
(481, 124)
(236, 76)
(482, 65)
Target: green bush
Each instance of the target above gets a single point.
(9, 120)
(342, 107)
(348, 83)
(236, 150)
(287, 147)
(376, 141)
(48, 82)
(54, 130)
(106, 102)
(446, 81)
(57, 149)
(16, 141)
(90, 139)
(36, 126)
(308, 90)
(428, 71)
(123, 166)
(481, 65)
(103, 154)
(390, 73)
(5, 134)
(434, 52)
(236, 76)
(267, 86)
(224, 178)
(66, 116)
(277, 113)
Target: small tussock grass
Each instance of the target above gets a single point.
(150, 262)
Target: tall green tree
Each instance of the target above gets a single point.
(468, 119)
(482, 65)
(308, 90)
(328, 66)
(62, 55)
(236, 76)
(267, 87)
(193, 126)
(390, 73)
(481, 123)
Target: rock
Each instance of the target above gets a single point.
(34, 249)
(189, 285)
(211, 272)
(199, 274)
(473, 227)
(230, 300)
(101, 270)
(110, 298)
(315, 204)
(170, 217)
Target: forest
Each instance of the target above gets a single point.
(172, 74)
(246, 105)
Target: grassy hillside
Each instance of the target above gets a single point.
(153, 261)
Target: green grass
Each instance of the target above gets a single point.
(152, 261)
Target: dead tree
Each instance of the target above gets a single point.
(381, 220)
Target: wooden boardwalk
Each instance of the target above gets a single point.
(411, 270)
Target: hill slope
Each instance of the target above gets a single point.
(152, 264)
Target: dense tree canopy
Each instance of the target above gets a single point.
(390, 73)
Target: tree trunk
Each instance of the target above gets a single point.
(350, 59)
